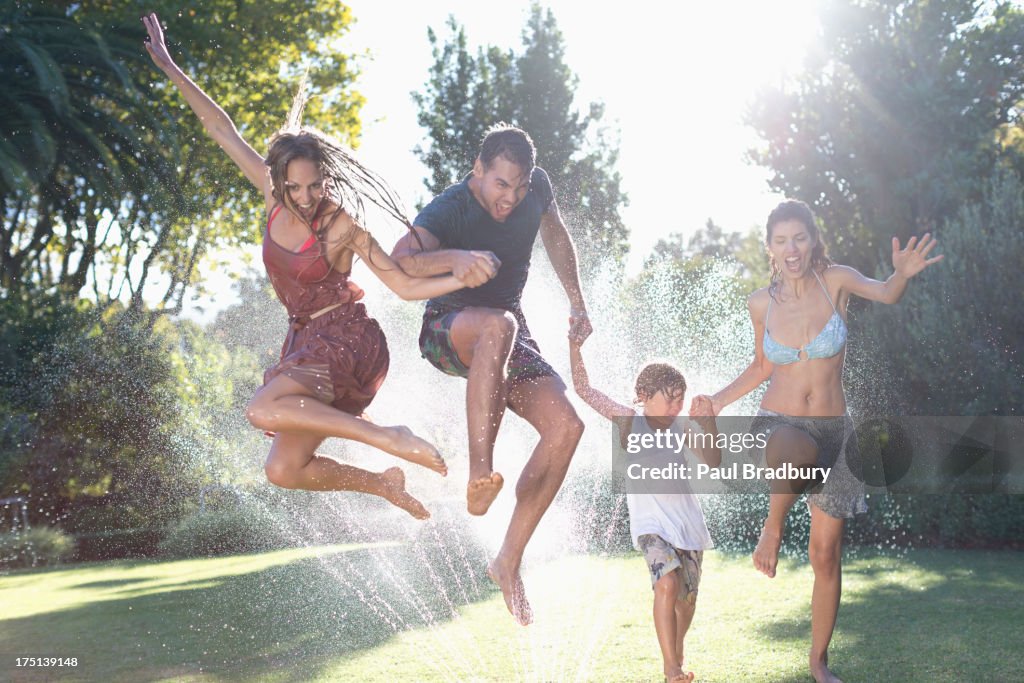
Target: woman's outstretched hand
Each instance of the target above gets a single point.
(155, 45)
(912, 259)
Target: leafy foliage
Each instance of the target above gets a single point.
(35, 547)
(224, 532)
(957, 334)
(112, 425)
(898, 118)
(107, 177)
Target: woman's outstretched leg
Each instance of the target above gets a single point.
(293, 463)
(786, 445)
(284, 405)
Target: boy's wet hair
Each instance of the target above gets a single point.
(657, 377)
(503, 140)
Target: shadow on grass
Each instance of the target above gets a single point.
(956, 618)
(288, 622)
(115, 583)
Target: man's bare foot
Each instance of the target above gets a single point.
(512, 589)
(481, 493)
(394, 492)
(821, 672)
(766, 554)
(675, 674)
(408, 446)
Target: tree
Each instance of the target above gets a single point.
(956, 336)
(901, 115)
(107, 179)
(742, 254)
(93, 415)
(535, 89)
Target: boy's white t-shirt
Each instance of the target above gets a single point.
(676, 517)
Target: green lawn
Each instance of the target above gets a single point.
(364, 613)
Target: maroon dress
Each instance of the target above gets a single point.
(341, 354)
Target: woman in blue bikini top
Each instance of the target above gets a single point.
(806, 379)
(805, 382)
(829, 342)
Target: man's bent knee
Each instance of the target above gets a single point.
(564, 431)
(498, 327)
(487, 333)
(573, 428)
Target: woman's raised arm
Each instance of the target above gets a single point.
(216, 122)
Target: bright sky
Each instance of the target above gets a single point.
(675, 77)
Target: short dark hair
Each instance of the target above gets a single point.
(504, 140)
(657, 377)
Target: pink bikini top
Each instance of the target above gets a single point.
(305, 281)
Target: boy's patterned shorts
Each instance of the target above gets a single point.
(663, 558)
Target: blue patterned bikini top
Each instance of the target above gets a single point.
(828, 343)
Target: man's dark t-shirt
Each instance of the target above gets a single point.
(458, 221)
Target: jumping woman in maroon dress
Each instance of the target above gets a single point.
(335, 357)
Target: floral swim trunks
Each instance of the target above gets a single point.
(525, 362)
(662, 558)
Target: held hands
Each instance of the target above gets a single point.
(155, 45)
(474, 268)
(579, 326)
(911, 260)
(703, 405)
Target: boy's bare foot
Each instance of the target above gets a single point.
(512, 589)
(766, 554)
(481, 493)
(394, 492)
(822, 674)
(675, 674)
(408, 446)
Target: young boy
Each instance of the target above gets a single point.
(668, 528)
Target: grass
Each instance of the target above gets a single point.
(366, 613)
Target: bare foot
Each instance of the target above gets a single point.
(394, 492)
(822, 674)
(675, 674)
(512, 589)
(480, 493)
(408, 446)
(766, 554)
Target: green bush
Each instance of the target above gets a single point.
(225, 532)
(118, 544)
(950, 521)
(35, 547)
(953, 340)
